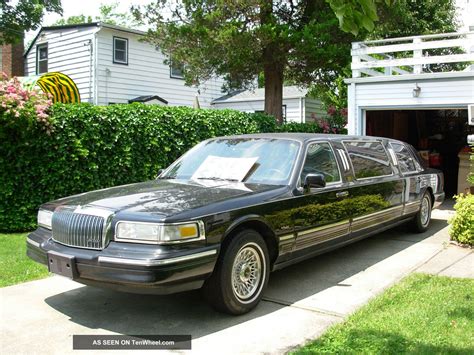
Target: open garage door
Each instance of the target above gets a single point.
(439, 135)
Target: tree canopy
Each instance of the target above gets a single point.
(295, 40)
(302, 42)
(23, 15)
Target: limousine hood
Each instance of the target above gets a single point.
(162, 197)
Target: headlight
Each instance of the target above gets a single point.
(157, 233)
(44, 218)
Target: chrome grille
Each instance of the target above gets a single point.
(78, 229)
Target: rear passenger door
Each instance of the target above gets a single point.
(409, 168)
(376, 195)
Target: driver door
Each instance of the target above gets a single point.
(322, 216)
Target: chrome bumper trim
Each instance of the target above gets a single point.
(138, 262)
(32, 242)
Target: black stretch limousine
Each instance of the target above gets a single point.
(231, 210)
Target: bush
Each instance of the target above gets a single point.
(462, 224)
(93, 147)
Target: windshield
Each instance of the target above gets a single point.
(251, 160)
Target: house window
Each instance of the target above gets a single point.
(176, 69)
(42, 58)
(120, 50)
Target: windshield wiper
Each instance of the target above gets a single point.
(216, 179)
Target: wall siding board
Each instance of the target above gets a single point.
(436, 93)
(145, 74)
(292, 107)
(68, 54)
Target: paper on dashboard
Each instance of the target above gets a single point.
(224, 168)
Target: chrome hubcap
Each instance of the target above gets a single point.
(425, 211)
(246, 272)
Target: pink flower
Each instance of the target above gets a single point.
(331, 110)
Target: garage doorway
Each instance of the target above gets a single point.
(439, 135)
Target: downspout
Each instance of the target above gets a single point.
(96, 84)
(301, 110)
(91, 50)
(303, 116)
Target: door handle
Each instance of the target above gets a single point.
(342, 194)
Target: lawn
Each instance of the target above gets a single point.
(423, 314)
(15, 266)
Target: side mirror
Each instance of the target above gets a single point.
(159, 173)
(314, 180)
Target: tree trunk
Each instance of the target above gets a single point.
(274, 90)
(272, 66)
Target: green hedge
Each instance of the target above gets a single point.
(94, 147)
(462, 224)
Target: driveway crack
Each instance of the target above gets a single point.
(311, 309)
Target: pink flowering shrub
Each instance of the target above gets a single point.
(21, 108)
(335, 122)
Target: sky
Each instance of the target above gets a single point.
(91, 8)
(84, 7)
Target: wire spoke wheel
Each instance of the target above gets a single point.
(425, 211)
(247, 271)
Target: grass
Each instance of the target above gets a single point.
(423, 314)
(15, 266)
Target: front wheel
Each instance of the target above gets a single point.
(422, 219)
(241, 274)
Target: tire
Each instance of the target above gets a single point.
(422, 219)
(241, 274)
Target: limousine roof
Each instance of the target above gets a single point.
(302, 137)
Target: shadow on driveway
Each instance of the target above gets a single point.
(188, 313)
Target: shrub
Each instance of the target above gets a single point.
(462, 224)
(23, 109)
(93, 147)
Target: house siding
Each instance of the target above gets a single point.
(145, 74)
(313, 107)
(293, 112)
(68, 53)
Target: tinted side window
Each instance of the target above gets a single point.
(369, 159)
(406, 162)
(320, 160)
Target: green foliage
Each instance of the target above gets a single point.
(288, 41)
(15, 266)
(356, 14)
(415, 17)
(23, 15)
(93, 147)
(462, 224)
(400, 18)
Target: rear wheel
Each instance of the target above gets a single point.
(241, 274)
(422, 219)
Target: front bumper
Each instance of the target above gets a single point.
(131, 267)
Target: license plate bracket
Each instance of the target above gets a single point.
(62, 264)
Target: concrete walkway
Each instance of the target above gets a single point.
(301, 302)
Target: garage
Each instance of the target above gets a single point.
(440, 136)
(400, 90)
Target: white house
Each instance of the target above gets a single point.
(417, 89)
(110, 64)
(297, 106)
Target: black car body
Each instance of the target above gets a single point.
(337, 190)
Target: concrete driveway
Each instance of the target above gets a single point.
(301, 302)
